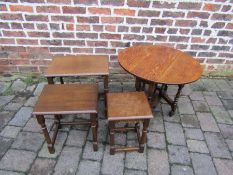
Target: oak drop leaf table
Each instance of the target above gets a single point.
(155, 64)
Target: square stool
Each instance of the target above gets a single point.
(65, 99)
(128, 107)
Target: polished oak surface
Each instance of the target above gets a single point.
(128, 106)
(67, 99)
(160, 64)
(78, 65)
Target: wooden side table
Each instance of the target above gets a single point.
(78, 65)
(67, 99)
(128, 107)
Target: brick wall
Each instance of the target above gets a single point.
(32, 31)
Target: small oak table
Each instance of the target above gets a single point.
(62, 99)
(155, 64)
(78, 65)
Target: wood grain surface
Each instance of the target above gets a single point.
(128, 106)
(160, 64)
(67, 99)
(78, 65)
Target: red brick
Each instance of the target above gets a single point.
(133, 37)
(97, 43)
(123, 29)
(14, 33)
(74, 10)
(198, 40)
(218, 25)
(7, 16)
(178, 39)
(98, 28)
(136, 21)
(54, 42)
(163, 4)
(4, 62)
(226, 55)
(27, 41)
(4, 25)
(7, 41)
(95, 10)
(181, 46)
(63, 18)
(105, 51)
(110, 36)
(112, 3)
(39, 34)
(83, 27)
(91, 19)
(3, 7)
(42, 26)
(147, 29)
(87, 35)
(14, 49)
(160, 30)
(60, 49)
(226, 33)
(161, 22)
(172, 31)
(39, 50)
(226, 8)
(211, 7)
(201, 15)
(74, 42)
(148, 13)
(184, 31)
(69, 26)
(82, 50)
(86, 2)
(135, 29)
(40, 62)
(112, 20)
(189, 6)
(185, 23)
(173, 14)
(215, 61)
(36, 18)
(120, 44)
(63, 35)
(33, 1)
(199, 47)
(48, 9)
(19, 61)
(212, 40)
(15, 25)
(59, 1)
(134, 3)
(222, 17)
(124, 12)
(207, 54)
(21, 8)
(229, 26)
(110, 28)
(28, 25)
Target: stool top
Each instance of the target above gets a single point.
(128, 106)
(78, 65)
(67, 99)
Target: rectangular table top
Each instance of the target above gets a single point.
(67, 99)
(78, 65)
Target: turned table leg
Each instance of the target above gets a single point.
(94, 131)
(174, 104)
(41, 121)
(144, 134)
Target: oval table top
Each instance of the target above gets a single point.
(160, 64)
